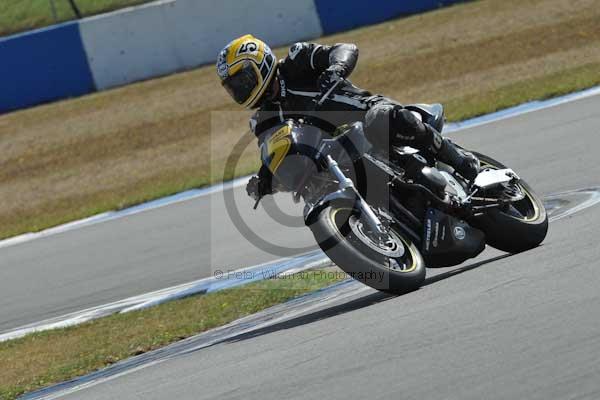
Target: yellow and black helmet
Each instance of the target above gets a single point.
(246, 67)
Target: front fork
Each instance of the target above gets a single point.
(346, 183)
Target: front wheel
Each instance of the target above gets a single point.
(391, 263)
(518, 227)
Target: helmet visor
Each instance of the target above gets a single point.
(241, 85)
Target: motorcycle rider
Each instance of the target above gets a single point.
(288, 88)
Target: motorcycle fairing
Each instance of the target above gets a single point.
(289, 151)
(449, 241)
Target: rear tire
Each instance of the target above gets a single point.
(399, 268)
(512, 232)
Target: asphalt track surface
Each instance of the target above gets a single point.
(110, 261)
(522, 326)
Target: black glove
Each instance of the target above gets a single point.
(258, 187)
(330, 77)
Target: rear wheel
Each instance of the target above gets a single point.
(520, 226)
(391, 263)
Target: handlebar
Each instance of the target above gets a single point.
(328, 93)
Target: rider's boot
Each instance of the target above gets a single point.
(463, 162)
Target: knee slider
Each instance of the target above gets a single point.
(407, 124)
(378, 123)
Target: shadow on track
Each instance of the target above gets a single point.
(356, 304)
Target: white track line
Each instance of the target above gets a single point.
(574, 202)
(302, 305)
(313, 259)
(111, 215)
(591, 198)
(212, 284)
(336, 294)
(193, 194)
(522, 109)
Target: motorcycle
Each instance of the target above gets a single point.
(384, 216)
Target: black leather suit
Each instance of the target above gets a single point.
(386, 122)
(298, 76)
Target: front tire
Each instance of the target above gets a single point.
(520, 228)
(396, 267)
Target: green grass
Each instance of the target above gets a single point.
(22, 15)
(542, 88)
(44, 358)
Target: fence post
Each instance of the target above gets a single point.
(53, 9)
(75, 8)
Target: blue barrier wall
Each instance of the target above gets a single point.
(164, 37)
(342, 15)
(43, 65)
